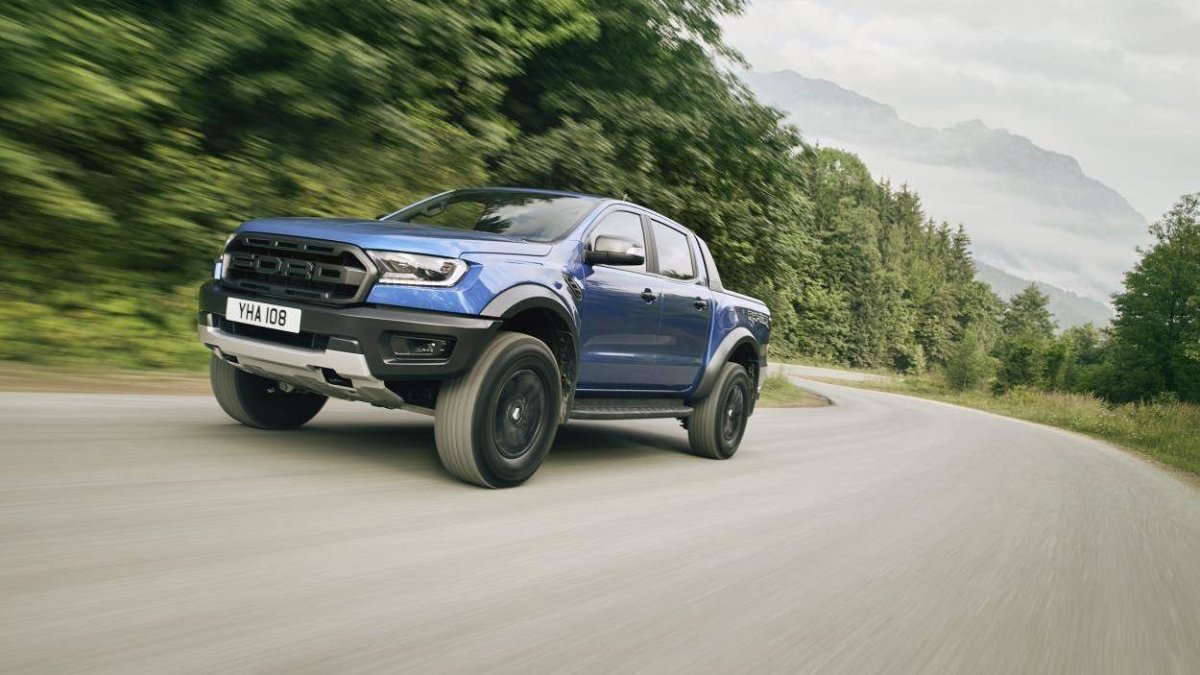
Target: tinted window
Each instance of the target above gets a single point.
(674, 253)
(523, 215)
(625, 225)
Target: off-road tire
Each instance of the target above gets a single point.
(495, 424)
(259, 402)
(728, 405)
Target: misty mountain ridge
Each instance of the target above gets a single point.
(1030, 212)
(1069, 309)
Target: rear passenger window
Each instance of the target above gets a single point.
(674, 253)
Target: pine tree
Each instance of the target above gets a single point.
(1027, 331)
(1029, 314)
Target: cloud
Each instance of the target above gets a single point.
(1115, 83)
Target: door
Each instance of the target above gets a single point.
(686, 308)
(620, 313)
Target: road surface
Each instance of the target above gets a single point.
(882, 535)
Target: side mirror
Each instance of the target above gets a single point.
(608, 250)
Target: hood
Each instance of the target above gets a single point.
(394, 236)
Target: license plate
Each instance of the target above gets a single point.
(261, 314)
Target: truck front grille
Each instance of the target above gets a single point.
(307, 270)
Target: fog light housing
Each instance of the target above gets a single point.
(421, 347)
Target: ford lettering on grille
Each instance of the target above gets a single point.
(308, 270)
(287, 267)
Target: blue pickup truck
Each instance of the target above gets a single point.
(501, 312)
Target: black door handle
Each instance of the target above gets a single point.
(699, 304)
(649, 295)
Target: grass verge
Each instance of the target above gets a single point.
(1168, 432)
(100, 380)
(779, 392)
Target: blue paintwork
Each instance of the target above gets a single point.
(620, 334)
(626, 345)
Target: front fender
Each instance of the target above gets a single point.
(530, 296)
(524, 297)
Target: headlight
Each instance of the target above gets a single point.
(410, 269)
(221, 261)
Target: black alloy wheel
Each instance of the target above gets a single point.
(519, 414)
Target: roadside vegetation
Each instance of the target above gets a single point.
(779, 392)
(1166, 430)
(135, 136)
(1136, 384)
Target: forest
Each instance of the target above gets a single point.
(136, 135)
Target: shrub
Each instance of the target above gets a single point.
(969, 366)
(1022, 363)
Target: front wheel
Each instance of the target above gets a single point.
(495, 424)
(716, 427)
(260, 402)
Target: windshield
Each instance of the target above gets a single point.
(524, 215)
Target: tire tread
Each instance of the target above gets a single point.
(453, 429)
(704, 425)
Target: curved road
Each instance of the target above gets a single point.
(881, 535)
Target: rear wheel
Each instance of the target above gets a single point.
(495, 424)
(716, 427)
(261, 402)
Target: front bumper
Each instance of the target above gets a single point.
(354, 342)
(329, 372)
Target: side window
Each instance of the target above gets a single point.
(625, 225)
(674, 252)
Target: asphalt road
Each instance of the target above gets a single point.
(882, 535)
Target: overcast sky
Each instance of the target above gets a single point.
(1114, 83)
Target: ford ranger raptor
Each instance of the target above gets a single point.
(501, 312)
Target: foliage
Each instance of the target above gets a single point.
(1156, 334)
(779, 392)
(1022, 363)
(1026, 338)
(1153, 348)
(1166, 430)
(892, 288)
(969, 365)
(1028, 314)
(135, 136)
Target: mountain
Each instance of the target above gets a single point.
(1069, 309)
(1031, 212)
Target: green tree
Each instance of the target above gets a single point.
(1156, 334)
(1028, 313)
(1027, 332)
(969, 365)
(1076, 361)
(1022, 362)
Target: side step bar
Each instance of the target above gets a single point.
(627, 408)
